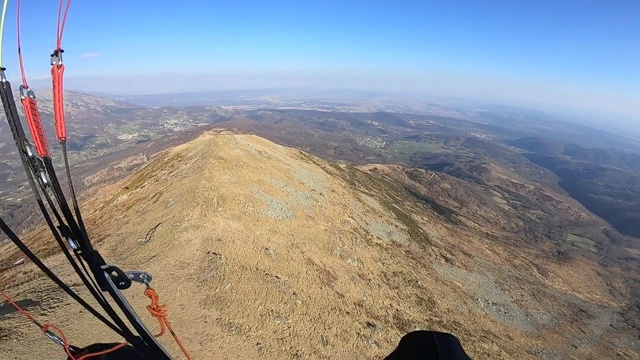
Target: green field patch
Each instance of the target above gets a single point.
(129, 127)
(581, 242)
(411, 147)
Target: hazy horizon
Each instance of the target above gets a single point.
(611, 120)
(564, 55)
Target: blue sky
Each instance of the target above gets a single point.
(582, 54)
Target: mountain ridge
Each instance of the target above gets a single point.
(275, 253)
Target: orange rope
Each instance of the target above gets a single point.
(155, 309)
(15, 305)
(160, 312)
(104, 352)
(65, 343)
(46, 328)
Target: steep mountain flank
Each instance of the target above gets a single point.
(264, 251)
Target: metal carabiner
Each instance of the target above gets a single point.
(53, 337)
(28, 149)
(56, 57)
(140, 277)
(29, 93)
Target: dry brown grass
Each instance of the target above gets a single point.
(266, 252)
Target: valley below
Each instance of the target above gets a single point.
(326, 231)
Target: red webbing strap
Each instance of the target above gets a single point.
(57, 72)
(30, 105)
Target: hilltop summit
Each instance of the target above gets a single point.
(264, 251)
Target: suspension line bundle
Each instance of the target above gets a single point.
(104, 282)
